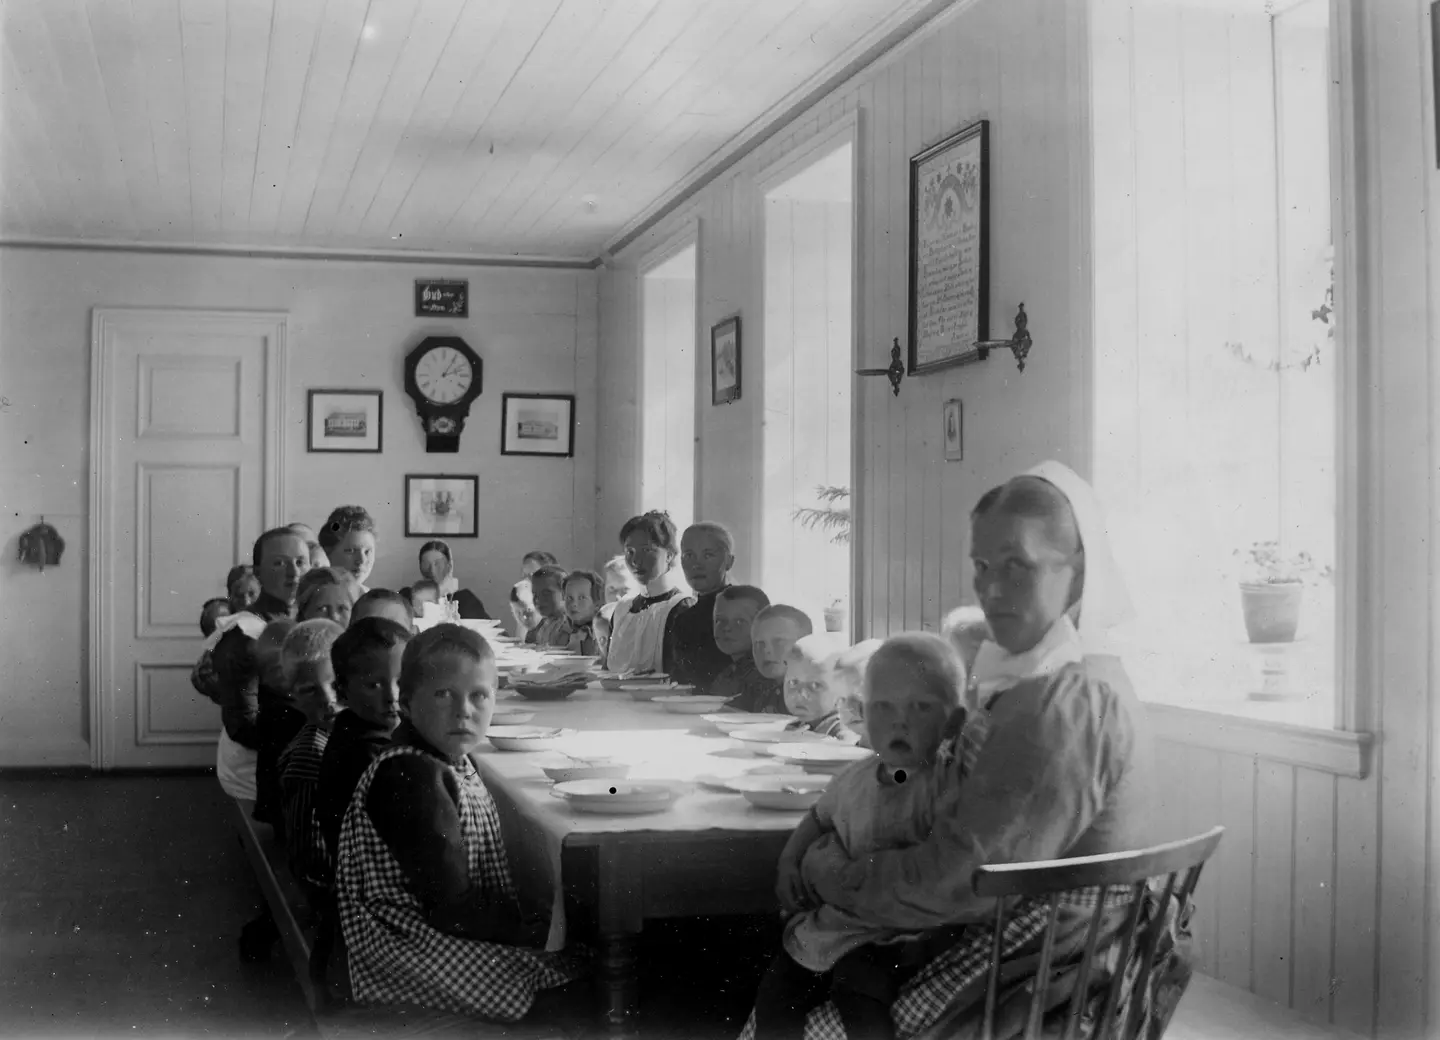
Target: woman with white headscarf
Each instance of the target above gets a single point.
(1056, 764)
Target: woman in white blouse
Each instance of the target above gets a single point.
(640, 622)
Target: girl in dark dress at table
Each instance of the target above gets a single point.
(437, 564)
(427, 903)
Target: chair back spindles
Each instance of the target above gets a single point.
(1092, 942)
(1047, 952)
(1094, 876)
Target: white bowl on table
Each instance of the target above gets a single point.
(778, 733)
(510, 717)
(730, 721)
(525, 738)
(649, 691)
(618, 796)
(689, 703)
(786, 792)
(590, 768)
(620, 680)
(828, 758)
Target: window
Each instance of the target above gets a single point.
(1216, 367)
(667, 386)
(808, 346)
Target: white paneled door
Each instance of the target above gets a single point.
(186, 418)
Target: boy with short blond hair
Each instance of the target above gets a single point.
(310, 678)
(812, 689)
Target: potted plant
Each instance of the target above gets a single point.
(1272, 586)
(831, 516)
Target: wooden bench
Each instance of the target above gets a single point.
(1214, 1010)
(293, 918)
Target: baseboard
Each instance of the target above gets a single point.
(30, 754)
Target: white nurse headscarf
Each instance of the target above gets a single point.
(1105, 600)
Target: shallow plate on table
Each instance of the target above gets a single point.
(828, 758)
(618, 796)
(778, 733)
(730, 721)
(511, 717)
(689, 703)
(587, 769)
(788, 792)
(526, 738)
(649, 691)
(716, 782)
(546, 691)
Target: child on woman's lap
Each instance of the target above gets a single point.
(913, 686)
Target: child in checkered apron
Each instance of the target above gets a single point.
(913, 689)
(427, 904)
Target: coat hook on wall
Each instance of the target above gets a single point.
(895, 371)
(1018, 344)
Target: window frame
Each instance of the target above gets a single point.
(1345, 748)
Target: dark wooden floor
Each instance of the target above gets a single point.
(121, 899)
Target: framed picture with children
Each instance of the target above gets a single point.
(440, 504)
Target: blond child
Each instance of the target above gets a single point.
(913, 687)
(847, 673)
(310, 679)
(423, 885)
(811, 690)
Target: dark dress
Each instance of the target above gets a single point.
(694, 658)
(470, 606)
(354, 743)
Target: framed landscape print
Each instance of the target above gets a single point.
(950, 250)
(437, 504)
(725, 361)
(537, 424)
(345, 420)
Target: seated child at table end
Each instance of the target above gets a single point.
(812, 690)
(847, 673)
(212, 612)
(426, 898)
(384, 603)
(736, 608)
(366, 661)
(913, 688)
(547, 585)
(584, 592)
(310, 679)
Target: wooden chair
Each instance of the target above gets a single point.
(1052, 880)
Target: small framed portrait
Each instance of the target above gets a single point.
(953, 415)
(346, 420)
(437, 504)
(537, 424)
(725, 361)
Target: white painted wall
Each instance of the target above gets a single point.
(350, 326)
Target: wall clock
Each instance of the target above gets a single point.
(443, 375)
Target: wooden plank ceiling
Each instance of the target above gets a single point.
(488, 127)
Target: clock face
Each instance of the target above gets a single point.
(444, 375)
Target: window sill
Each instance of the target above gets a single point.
(1327, 750)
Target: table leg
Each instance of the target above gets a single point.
(621, 912)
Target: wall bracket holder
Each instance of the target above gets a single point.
(1018, 344)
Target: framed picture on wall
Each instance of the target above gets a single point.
(438, 504)
(537, 424)
(950, 250)
(953, 419)
(725, 361)
(449, 299)
(345, 420)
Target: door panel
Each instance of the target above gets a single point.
(185, 445)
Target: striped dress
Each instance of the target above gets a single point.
(299, 783)
(396, 956)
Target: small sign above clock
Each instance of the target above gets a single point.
(447, 299)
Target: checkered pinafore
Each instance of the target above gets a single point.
(396, 957)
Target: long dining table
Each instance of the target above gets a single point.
(710, 853)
